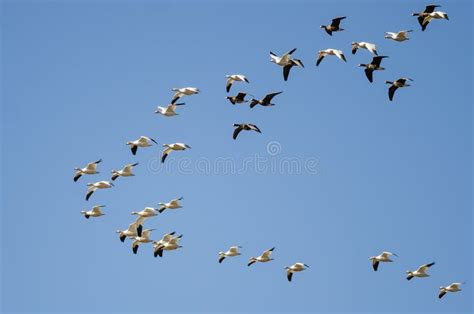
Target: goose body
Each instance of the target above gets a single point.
(125, 172)
(147, 212)
(92, 187)
(234, 78)
(384, 257)
(172, 147)
(142, 141)
(334, 26)
(454, 287)
(94, 212)
(90, 168)
(373, 66)
(286, 62)
(237, 99)
(246, 127)
(133, 230)
(264, 258)
(265, 101)
(297, 267)
(185, 91)
(330, 52)
(144, 238)
(437, 15)
(363, 45)
(170, 245)
(401, 82)
(400, 36)
(173, 204)
(169, 110)
(421, 15)
(420, 272)
(232, 251)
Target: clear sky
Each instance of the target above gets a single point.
(81, 78)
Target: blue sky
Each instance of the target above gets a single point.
(80, 78)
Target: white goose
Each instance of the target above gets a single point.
(169, 110)
(95, 212)
(90, 168)
(454, 287)
(142, 141)
(400, 36)
(166, 238)
(125, 172)
(330, 52)
(185, 91)
(172, 244)
(384, 257)
(294, 268)
(420, 272)
(147, 212)
(234, 78)
(92, 187)
(133, 230)
(173, 147)
(265, 257)
(173, 204)
(438, 15)
(233, 251)
(286, 62)
(144, 238)
(363, 45)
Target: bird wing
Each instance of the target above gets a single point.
(336, 21)
(340, 55)
(391, 92)
(377, 60)
(269, 97)
(165, 154)
(430, 8)
(320, 58)
(441, 294)
(354, 49)
(369, 74)
(255, 128)
(286, 71)
(240, 96)
(267, 253)
(229, 84)
(237, 131)
(286, 57)
(233, 249)
(372, 48)
(77, 175)
(375, 264)
(289, 274)
(298, 62)
(425, 267)
(93, 165)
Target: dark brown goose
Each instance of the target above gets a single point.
(245, 127)
(334, 27)
(373, 66)
(237, 99)
(421, 15)
(401, 82)
(265, 101)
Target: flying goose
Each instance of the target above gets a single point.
(294, 268)
(238, 99)
(125, 172)
(400, 36)
(420, 272)
(373, 66)
(92, 187)
(233, 251)
(90, 168)
(363, 45)
(330, 52)
(95, 212)
(383, 257)
(173, 147)
(421, 15)
(454, 287)
(286, 62)
(234, 78)
(265, 257)
(185, 91)
(334, 27)
(133, 230)
(169, 110)
(172, 244)
(173, 204)
(143, 238)
(401, 82)
(265, 101)
(142, 141)
(147, 212)
(246, 127)
(434, 15)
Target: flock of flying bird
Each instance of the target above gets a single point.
(171, 241)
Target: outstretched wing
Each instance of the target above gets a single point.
(269, 97)
(369, 74)
(237, 131)
(286, 71)
(320, 58)
(336, 21)
(391, 92)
